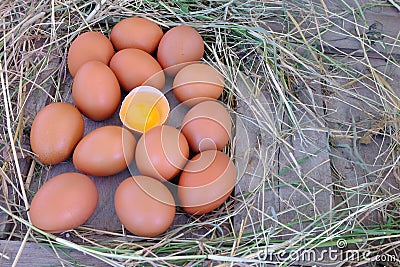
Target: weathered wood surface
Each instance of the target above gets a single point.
(358, 26)
(348, 27)
(305, 186)
(306, 193)
(35, 254)
(255, 158)
(361, 147)
(289, 179)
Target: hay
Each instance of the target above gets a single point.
(242, 38)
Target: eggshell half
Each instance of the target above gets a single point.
(151, 97)
(64, 202)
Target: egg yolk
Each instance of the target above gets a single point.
(143, 116)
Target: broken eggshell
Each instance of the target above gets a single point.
(151, 97)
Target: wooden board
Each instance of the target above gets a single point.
(282, 189)
(286, 199)
(35, 254)
(255, 159)
(377, 27)
(348, 27)
(306, 193)
(361, 149)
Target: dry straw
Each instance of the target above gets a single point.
(278, 48)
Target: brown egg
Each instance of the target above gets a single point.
(87, 47)
(105, 151)
(196, 83)
(206, 182)
(96, 91)
(137, 33)
(144, 206)
(207, 126)
(178, 47)
(64, 202)
(134, 67)
(55, 131)
(161, 152)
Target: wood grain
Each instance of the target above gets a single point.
(376, 31)
(255, 158)
(350, 27)
(306, 194)
(35, 254)
(361, 150)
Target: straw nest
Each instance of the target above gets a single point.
(278, 49)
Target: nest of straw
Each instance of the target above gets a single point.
(278, 49)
